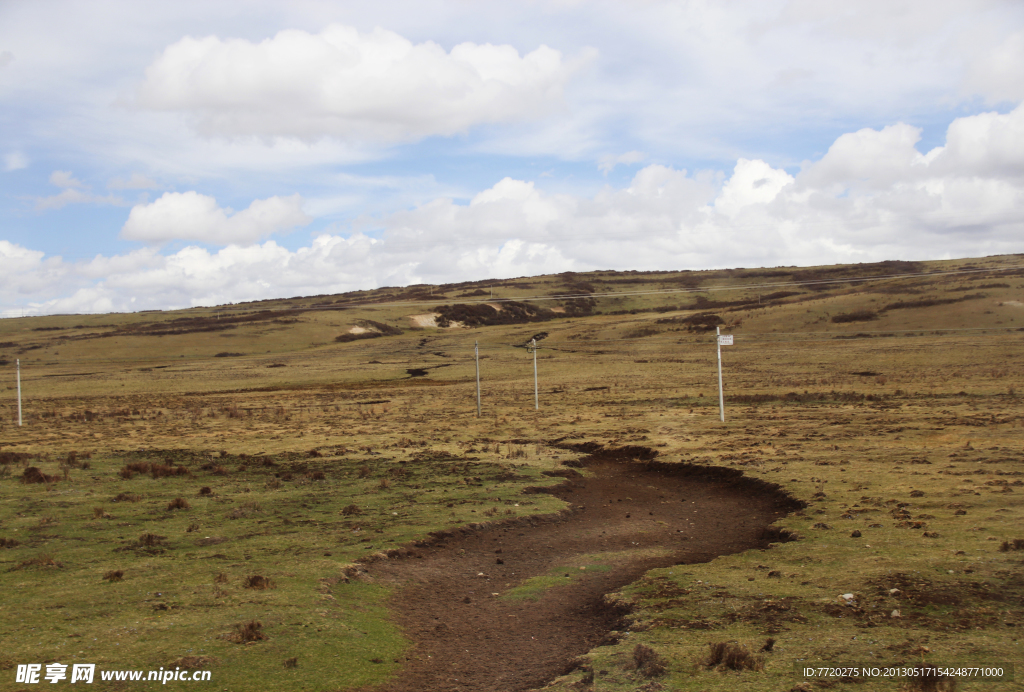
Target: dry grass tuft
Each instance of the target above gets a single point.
(732, 656)
(192, 662)
(114, 575)
(221, 578)
(648, 662)
(292, 662)
(150, 540)
(1015, 544)
(351, 510)
(8, 543)
(178, 503)
(928, 683)
(246, 632)
(127, 497)
(205, 490)
(258, 582)
(34, 475)
(42, 560)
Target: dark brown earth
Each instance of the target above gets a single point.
(631, 517)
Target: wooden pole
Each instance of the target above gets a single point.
(536, 396)
(721, 396)
(18, 361)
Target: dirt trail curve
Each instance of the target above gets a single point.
(626, 518)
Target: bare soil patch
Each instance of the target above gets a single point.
(627, 517)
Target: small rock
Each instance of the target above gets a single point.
(895, 614)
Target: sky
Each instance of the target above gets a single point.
(170, 155)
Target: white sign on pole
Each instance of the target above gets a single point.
(725, 340)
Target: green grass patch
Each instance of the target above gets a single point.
(535, 588)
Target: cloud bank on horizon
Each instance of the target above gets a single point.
(208, 160)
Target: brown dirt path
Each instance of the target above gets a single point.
(626, 517)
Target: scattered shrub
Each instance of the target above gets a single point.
(114, 575)
(192, 662)
(482, 314)
(12, 543)
(856, 316)
(127, 497)
(205, 490)
(246, 632)
(42, 560)
(150, 540)
(34, 475)
(648, 662)
(640, 332)
(163, 470)
(927, 681)
(931, 302)
(292, 662)
(221, 578)
(1015, 544)
(257, 582)
(732, 656)
(351, 511)
(178, 503)
(364, 471)
(699, 322)
(373, 329)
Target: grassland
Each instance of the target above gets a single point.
(891, 406)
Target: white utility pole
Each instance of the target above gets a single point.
(722, 341)
(18, 362)
(536, 396)
(476, 351)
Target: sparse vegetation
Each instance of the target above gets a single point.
(902, 437)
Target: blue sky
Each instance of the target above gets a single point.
(159, 156)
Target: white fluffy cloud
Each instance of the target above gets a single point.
(609, 162)
(351, 85)
(74, 192)
(136, 181)
(872, 196)
(15, 161)
(192, 216)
